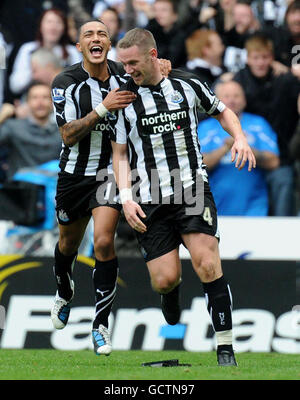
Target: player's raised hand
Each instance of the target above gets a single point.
(165, 66)
(118, 99)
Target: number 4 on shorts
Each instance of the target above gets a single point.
(207, 216)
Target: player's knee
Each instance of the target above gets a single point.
(68, 245)
(206, 269)
(163, 284)
(104, 247)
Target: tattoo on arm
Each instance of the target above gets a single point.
(72, 132)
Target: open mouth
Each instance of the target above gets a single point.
(96, 51)
(137, 75)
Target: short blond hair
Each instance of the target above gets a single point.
(139, 37)
(259, 43)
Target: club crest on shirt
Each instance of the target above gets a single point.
(58, 95)
(176, 97)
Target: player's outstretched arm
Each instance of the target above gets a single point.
(72, 132)
(240, 151)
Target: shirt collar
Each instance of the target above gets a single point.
(108, 68)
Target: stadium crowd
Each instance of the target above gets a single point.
(255, 45)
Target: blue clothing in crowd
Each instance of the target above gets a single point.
(238, 192)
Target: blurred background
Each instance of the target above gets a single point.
(248, 52)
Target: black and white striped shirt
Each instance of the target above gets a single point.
(74, 95)
(160, 127)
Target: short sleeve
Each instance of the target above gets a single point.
(63, 99)
(118, 128)
(207, 100)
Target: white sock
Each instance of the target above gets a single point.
(224, 337)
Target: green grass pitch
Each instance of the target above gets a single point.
(126, 365)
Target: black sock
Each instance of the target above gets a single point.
(217, 294)
(227, 347)
(172, 296)
(63, 268)
(105, 276)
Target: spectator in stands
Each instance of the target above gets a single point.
(102, 5)
(294, 147)
(77, 17)
(3, 61)
(52, 35)
(244, 21)
(287, 36)
(45, 65)
(274, 98)
(270, 12)
(248, 196)
(34, 140)
(112, 20)
(2, 67)
(169, 35)
(19, 17)
(205, 50)
(245, 24)
(295, 141)
(293, 21)
(214, 14)
(142, 9)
